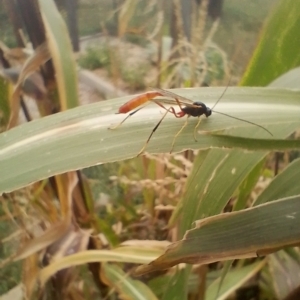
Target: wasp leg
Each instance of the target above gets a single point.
(177, 134)
(129, 115)
(195, 129)
(171, 109)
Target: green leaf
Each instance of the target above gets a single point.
(127, 287)
(247, 186)
(176, 288)
(224, 237)
(79, 137)
(234, 279)
(278, 49)
(61, 51)
(283, 185)
(228, 141)
(217, 173)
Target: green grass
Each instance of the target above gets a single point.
(95, 57)
(10, 274)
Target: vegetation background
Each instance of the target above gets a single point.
(91, 224)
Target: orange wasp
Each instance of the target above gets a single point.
(187, 108)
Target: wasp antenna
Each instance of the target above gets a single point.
(222, 94)
(249, 122)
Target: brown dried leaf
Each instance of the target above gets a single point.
(40, 56)
(53, 234)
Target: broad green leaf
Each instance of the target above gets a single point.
(277, 51)
(227, 141)
(176, 288)
(225, 269)
(247, 186)
(158, 284)
(285, 184)
(216, 175)
(234, 279)
(269, 227)
(79, 137)
(61, 52)
(127, 287)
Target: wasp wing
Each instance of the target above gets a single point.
(181, 99)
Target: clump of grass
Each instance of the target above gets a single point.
(104, 57)
(95, 57)
(134, 77)
(136, 39)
